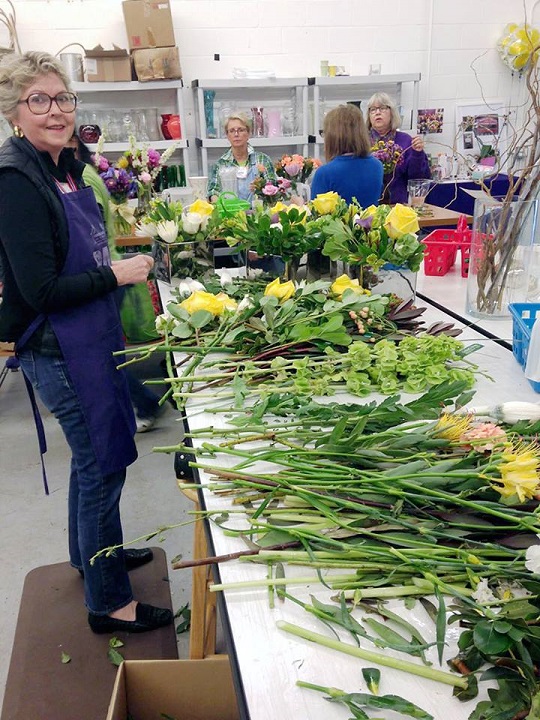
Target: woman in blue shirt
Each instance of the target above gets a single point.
(350, 169)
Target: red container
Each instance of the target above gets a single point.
(440, 253)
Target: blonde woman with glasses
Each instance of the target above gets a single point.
(249, 164)
(383, 121)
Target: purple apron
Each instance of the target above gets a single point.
(89, 334)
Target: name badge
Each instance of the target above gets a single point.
(242, 173)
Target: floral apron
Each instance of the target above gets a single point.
(89, 334)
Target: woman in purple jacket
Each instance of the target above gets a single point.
(383, 120)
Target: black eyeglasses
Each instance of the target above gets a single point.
(41, 103)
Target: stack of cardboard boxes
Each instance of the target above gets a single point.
(153, 53)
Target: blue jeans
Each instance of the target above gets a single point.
(94, 498)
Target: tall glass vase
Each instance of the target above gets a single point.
(502, 266)
(387, 280)
(144, 196)
(208, 96)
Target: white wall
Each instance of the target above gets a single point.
(451, 42)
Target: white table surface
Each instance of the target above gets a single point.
(268, 661)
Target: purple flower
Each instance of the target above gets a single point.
(153, 158)
(270, 189)
(364, 223)
(274, 218)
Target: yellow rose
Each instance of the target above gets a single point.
(201, 300)
(325, 203)
(368, 212)
(202, 207)
(344, 282)
(227, 302)
(123, 163)
(278, 207)
(283, 291)
(401, 220)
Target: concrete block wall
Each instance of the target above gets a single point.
(451, 43)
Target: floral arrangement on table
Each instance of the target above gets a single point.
(367, 239)
(181, 234)
(269, 192)
(389, 153)
(132, 175)
(296, 168)
(284, 230)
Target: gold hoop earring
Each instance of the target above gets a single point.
(17, 131)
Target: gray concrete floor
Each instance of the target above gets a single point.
(33, 526)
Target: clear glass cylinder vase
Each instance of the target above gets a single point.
(502, 269)
(390, 279)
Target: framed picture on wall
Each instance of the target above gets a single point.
(479, 123)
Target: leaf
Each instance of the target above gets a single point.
(183, 613)
(372, 677)
(115, 657)
(384, 702)
(200, 318)
(114, 642)
(65, 658)
(489, 641)
(440, 625)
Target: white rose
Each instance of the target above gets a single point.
(191, 223)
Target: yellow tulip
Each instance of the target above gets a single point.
(279, 207)
(325, 203)
(344, 282)
(202, 207)
(202, 300)
(401, 220)
(283, 291)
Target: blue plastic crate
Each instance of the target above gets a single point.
(524, 316)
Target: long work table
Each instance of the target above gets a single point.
(266, 661)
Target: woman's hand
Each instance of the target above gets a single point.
(417, 143)
(133, 270)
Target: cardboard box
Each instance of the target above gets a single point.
(148, 23)
(157, 64)
(107, 65)
(183, 689)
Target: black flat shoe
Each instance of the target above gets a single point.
(148, 618)
(136, 557)
(133, 558)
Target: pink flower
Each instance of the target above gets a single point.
(153, 158)
(270, 189)
(299, 159)
(483, 437)
(103, 164)
(284, 184)
(145, 178)
(292, 169)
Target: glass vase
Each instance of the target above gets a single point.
(144, 197)
(387, 280)
(501, 262)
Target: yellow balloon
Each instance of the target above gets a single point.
(518, 46)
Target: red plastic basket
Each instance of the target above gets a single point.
(441, 251)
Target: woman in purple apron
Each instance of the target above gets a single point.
(59, 309)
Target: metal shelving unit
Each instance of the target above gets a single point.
(260, 93)
(166, 95)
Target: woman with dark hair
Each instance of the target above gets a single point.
(410, 161)
(350, 170)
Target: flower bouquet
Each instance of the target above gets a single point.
(283, 230)
(296, 168)
(389, 153)
(376, 238)
(180, 236)
(122, 187)
(267, 192)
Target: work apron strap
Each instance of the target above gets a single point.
(33, 403)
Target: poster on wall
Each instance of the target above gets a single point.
(430, 120)
(479, 124)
